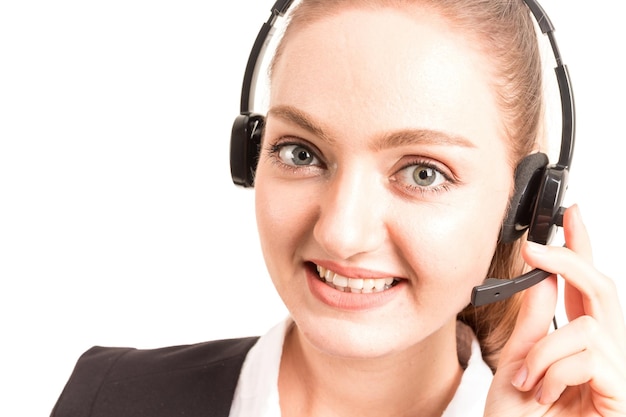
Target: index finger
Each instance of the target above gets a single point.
(588, 292)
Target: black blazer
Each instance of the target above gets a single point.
(193, 380)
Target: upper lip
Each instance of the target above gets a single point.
(351, 271)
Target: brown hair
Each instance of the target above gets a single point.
(503, 31)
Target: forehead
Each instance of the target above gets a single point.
(390, 67)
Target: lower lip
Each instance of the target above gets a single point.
(346, 300)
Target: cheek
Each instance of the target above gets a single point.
(272, 216)
(450, 247)
(283, 219)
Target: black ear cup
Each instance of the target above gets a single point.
(245, 145)
(548, 212)
(528, 180)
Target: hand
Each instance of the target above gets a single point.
(579, 369)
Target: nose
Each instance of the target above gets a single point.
(352, 215)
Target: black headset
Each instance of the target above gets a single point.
(536, 204)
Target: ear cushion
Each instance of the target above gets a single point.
(245, 145)
(528, 179)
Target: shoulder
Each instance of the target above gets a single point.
(178, 380)
(133, 363)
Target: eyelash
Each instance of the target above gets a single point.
(274, 150)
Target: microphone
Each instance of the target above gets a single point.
(496, 289)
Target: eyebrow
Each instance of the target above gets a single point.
(406, 137)
(300, 118)
(402, 137)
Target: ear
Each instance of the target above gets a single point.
(528, 180)
(245, 146)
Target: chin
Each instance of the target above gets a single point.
(352, 339)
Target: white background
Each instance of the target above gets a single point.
(119, 224)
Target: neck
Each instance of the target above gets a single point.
(418, 381)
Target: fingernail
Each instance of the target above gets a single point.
(520, 377)
(536, 247)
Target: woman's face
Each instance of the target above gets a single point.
(384, 168)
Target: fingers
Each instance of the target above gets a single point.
(587, 353)
(573, 268)
(588, 292)
(561, 375)
(551, 349)
(577, 239)
(574, 355)
(576, 235)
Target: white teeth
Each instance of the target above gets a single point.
(328, 275)
(354, 285)
(340, 281)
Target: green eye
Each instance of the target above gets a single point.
(297, 155)
(422, 175)
(425, 176)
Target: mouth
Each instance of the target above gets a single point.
(354, 285)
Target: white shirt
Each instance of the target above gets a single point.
(257, 390)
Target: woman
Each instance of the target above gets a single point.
(385, 172)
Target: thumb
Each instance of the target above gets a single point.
(533, 321)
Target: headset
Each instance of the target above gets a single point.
(536, 204)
